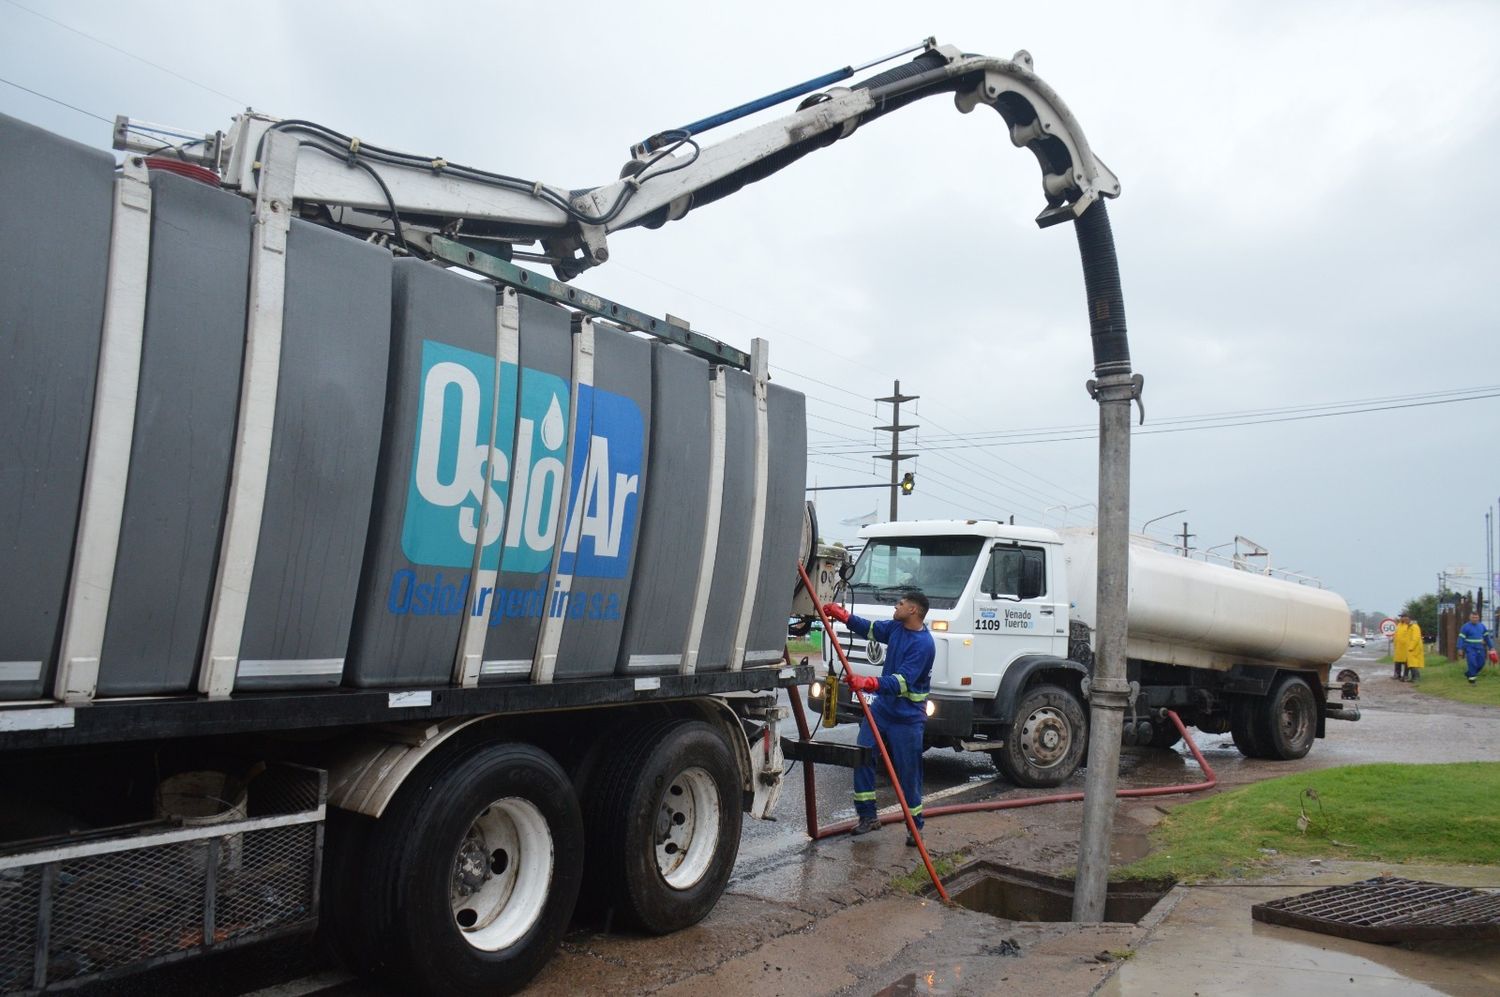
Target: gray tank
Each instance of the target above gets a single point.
(634, 490)
(55, 214)
(193, 344)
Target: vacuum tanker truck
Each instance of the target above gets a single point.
(1013, 618)
(339, 588)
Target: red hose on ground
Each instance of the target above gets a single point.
(816, 833)
(890, 769)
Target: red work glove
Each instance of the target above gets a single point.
(862, 683)
(1494, 657)
(836, 612)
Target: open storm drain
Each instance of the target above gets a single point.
(1020, 895)
(1389, 909)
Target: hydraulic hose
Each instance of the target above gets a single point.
(890, 768)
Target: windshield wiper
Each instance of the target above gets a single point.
(882, 590)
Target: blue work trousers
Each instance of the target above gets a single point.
(1476, 659)
(903, 739)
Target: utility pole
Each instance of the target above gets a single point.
(1186, 536)
(896, 429)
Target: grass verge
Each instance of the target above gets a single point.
(1442, 814)
(1445, 679)
(918, 880)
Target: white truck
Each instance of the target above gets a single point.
(341, 587)
(1012, 616)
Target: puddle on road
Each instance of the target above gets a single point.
(1020, 895)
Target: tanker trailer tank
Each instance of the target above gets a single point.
(1199, 615)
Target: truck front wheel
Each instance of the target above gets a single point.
(1288, 720)
(1046, 740)
(664, 824)
(471, 875)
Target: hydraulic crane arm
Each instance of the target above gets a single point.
(410, 199)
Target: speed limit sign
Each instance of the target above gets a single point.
(1387, 627)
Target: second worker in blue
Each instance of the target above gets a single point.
(900, 706)
(1473, 639)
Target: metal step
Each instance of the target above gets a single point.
(827, 753)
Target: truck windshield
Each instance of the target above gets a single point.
(939, 566)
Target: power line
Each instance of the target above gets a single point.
(1044, 436)
(116, 48)
(61, 103)
(1018, 467)
(1251, 413)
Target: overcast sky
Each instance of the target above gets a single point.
(1307, 218)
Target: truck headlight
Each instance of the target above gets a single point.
(931, 707)
(815, 691)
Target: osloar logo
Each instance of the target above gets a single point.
(450, 461)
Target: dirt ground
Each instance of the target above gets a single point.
(825, 917)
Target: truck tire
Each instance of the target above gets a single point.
(1288, 720)
(663, 825)
(470, 876)
(1046, 740)
(1245, 726)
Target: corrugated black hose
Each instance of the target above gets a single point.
(1101, 279)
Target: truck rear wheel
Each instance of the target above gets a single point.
(1244, 726)
(1288, 720)
(664, 825)
(470, 876)
(1046, 740)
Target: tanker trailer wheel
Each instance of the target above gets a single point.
(1244, 726)
(1046, 740)
(1288, 720)
(663, 824)
(472, 873)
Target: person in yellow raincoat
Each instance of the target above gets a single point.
(1398, 646)
(1407, 647)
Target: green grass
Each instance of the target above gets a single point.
(917, 880)
(797, 648)
(1444, 678)
(1441, 814)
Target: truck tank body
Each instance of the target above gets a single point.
(194, 341)
(1187, 612)
(389, 402)
(673, 516)
(726, 597)
(55, 213)
(325, 443)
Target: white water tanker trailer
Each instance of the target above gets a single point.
(1013, 617)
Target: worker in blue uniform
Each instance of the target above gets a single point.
(1473, 639)
(900, 706)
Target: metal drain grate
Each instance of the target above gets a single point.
(1388, 909)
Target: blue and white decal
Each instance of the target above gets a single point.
(451, 453)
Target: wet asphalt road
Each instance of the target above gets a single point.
(1399, 725)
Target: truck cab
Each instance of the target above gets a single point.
(998, 613)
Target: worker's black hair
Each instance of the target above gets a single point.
(918, 598)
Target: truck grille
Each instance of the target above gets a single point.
(855, 649)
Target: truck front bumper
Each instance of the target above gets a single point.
(949, 716)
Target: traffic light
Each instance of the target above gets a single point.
(908, 483)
